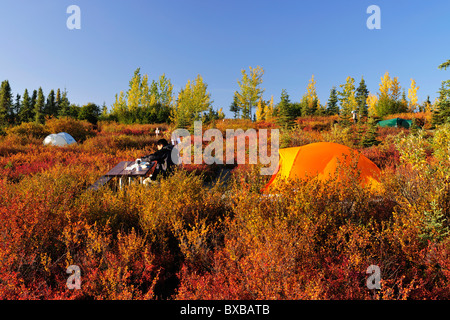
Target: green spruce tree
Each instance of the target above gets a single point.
(39, 115)
(26, 111)
(58, 101)
(441, 112)
(14, 113)
(234, 107)
(50, 109)
(285, 118)
(361, 97)
(64, 106)
(370, 137)
(33, 101)
(5, 102)
(332, 105)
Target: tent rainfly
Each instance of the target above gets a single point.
(59, 139)
(396, 122)
(322, 159)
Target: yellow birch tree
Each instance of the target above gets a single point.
(347, 98)
(250, 90)
(371, 104)
(310, 101)
(412, 96)
(134, 93)
(193, 100)
(385, 85)
(269, 110)
(260, 110)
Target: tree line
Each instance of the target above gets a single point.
(342, 101)
(36, 107)
(390, 99)
(156, 102)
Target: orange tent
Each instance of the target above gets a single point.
(321, 159)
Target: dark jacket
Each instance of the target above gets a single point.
(163, 158)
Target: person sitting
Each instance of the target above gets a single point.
(163, 158)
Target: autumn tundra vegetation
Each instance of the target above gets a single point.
(198, 235)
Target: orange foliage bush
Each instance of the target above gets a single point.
(29, 129)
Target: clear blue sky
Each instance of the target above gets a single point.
(291, 40)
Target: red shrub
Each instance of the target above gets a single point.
(383, 156)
